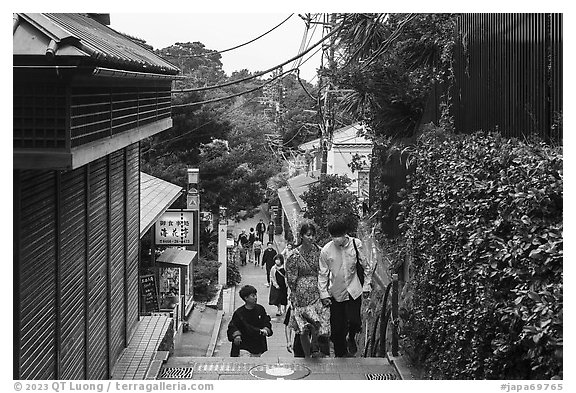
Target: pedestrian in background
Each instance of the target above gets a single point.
(260, 229)
(268, 260)
(257, 246)
(341, 288)
(278, 289)
(243, 246)
(287, 250)
(270, 230)
(251, 240)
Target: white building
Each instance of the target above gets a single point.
(347, 143)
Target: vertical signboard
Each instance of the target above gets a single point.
(149, 293)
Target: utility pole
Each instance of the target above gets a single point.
(327, 126)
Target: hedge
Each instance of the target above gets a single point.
(482, 216)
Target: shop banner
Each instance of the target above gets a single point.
(175, 228)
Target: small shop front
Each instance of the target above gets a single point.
(175, 282)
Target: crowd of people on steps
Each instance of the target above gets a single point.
(318, 289)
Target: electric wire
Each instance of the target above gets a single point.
(334, 31)
(227, 111)
(234, 95)
(237, 46)
(389, 41)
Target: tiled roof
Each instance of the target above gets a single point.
(156, 196)
(81, 37)
(346, 135)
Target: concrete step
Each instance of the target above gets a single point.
(218, 368)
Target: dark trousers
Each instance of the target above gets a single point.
(344, 319)
(268, 268)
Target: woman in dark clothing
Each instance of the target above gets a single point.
(268, 260)
(278, 288)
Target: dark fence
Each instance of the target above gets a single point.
(508, 76)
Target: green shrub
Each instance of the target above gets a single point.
(205, 278)
(233, 276)
(328, 199)
(483, 217)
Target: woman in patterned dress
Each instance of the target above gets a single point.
(312, 318)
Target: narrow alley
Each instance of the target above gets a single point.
(205, 354)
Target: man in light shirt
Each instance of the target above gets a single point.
(340, 286)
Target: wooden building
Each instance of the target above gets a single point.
(84, 96)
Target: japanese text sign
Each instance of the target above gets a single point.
(175, 228)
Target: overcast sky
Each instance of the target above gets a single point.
(220, 31)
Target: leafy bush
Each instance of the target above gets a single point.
(483, 218)
(233, 276)
(328, 199)
(205, 276)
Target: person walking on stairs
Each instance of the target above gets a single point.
(312, 317)
(278, 289)
(260, 230)
(340, 287)
(268, 260)
(249, 326)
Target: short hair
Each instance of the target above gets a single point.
(339, 227)
(279, 256)
(307, 227)
(246, 291)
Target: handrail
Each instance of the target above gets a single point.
(384, 318)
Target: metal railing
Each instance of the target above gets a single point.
(376, 343)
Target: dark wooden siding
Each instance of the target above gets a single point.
(37, 272)
(117, 255)
(97, 270)
(72, 273)
(132, 234)
(508, 70)
(508, 76)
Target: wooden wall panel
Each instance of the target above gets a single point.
(37, 272)
(73, 273)
(97, 270)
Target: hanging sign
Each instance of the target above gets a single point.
(205, 216)
(193, 201)
(175, 228)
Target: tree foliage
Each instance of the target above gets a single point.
(329, 199)
(482, 216)
(390, 62)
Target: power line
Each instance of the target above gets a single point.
(218, 99)
(334, 31)
(234, 95)
(230, 110)
(241, 45)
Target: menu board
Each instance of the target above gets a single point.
(149, 293)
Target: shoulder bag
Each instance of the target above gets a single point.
(359, 267)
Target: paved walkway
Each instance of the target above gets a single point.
(277, 362)
(142, 358)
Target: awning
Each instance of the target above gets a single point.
(175, 256)
(156, 196)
